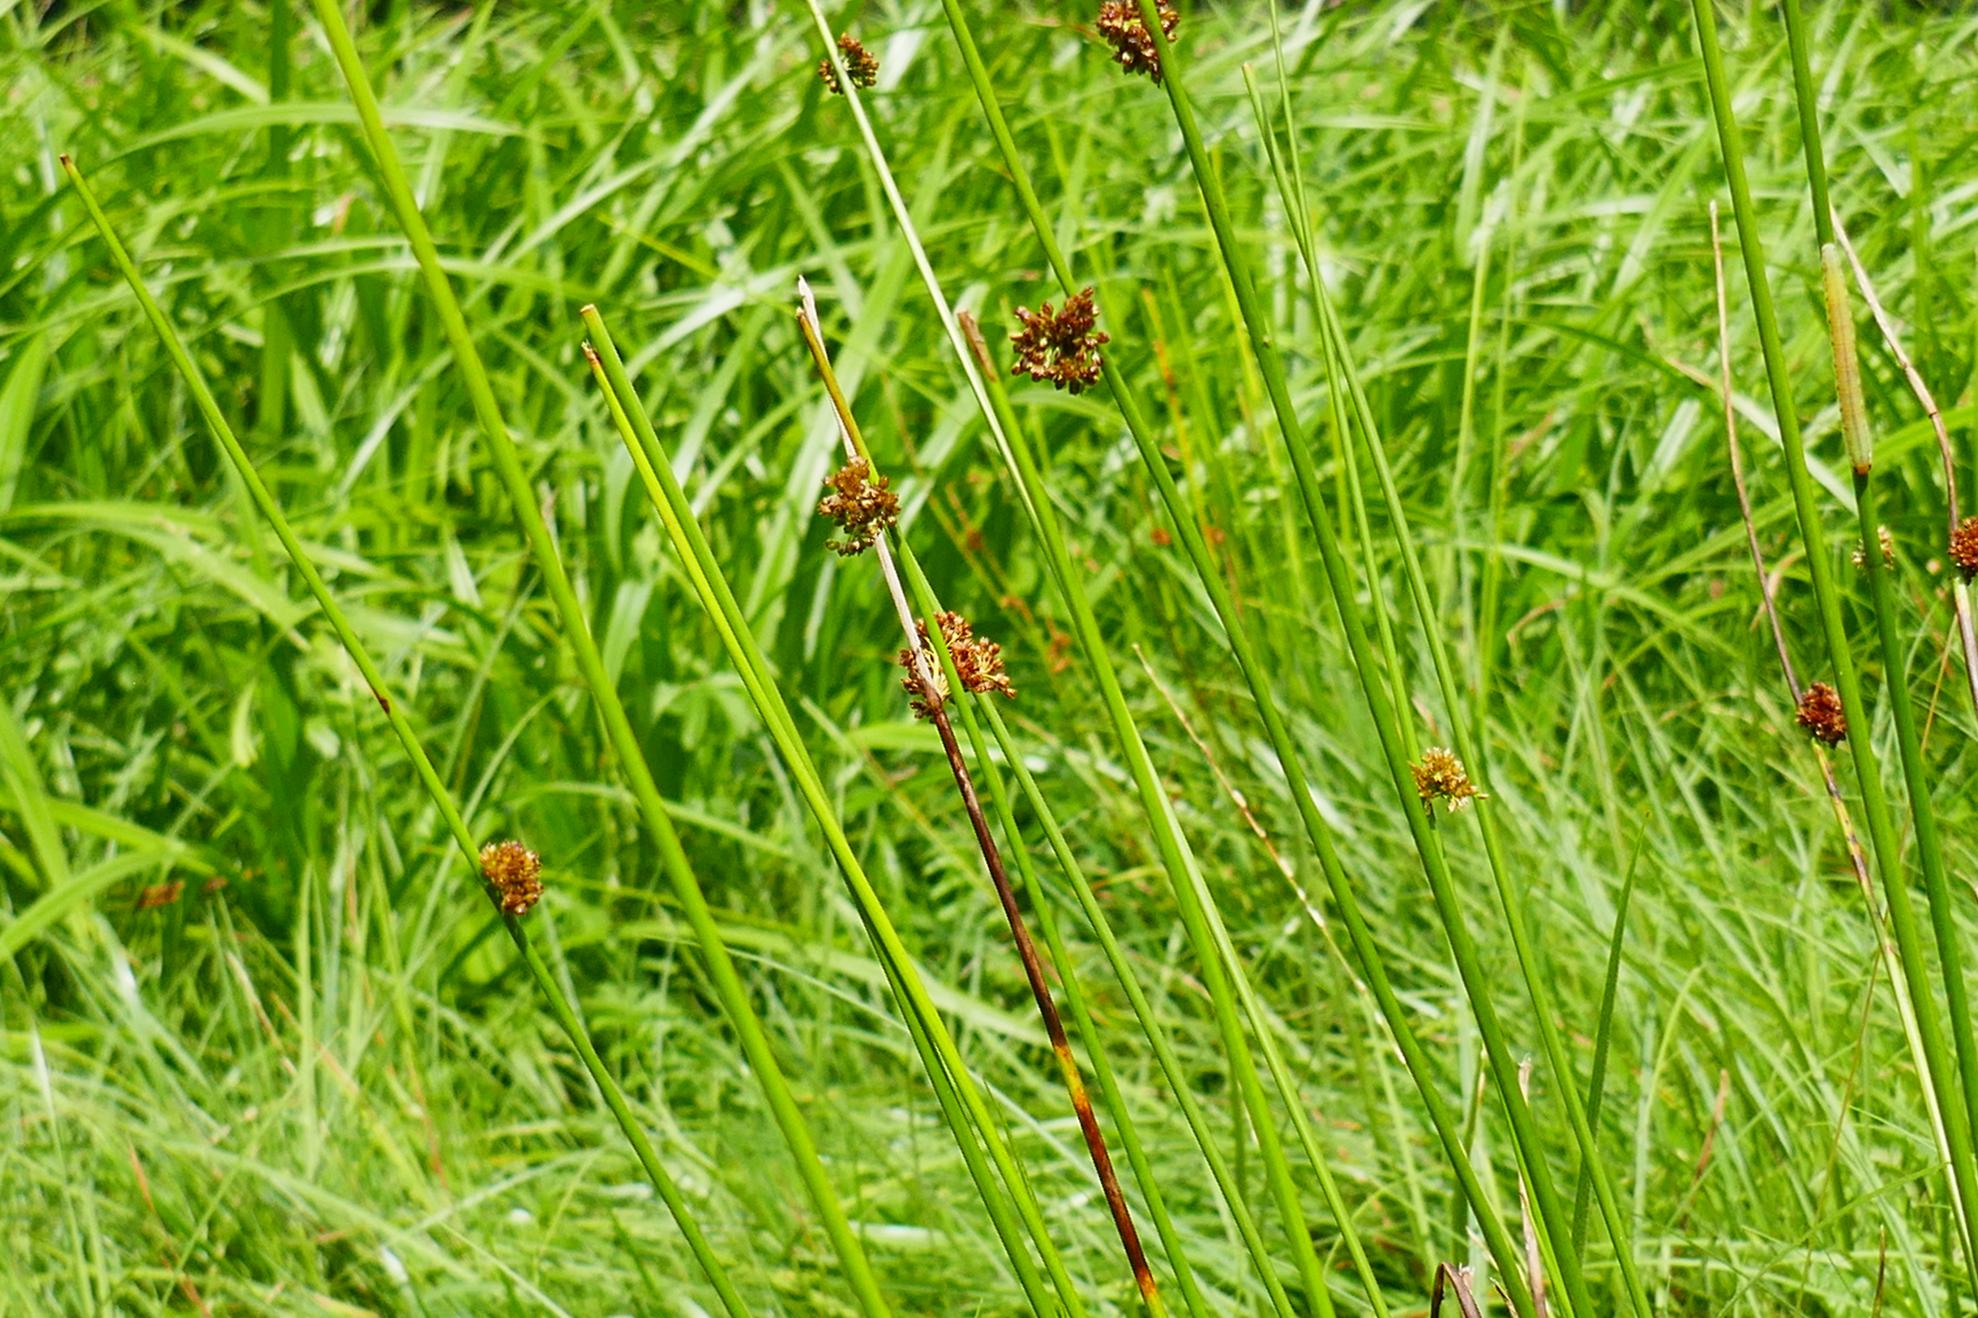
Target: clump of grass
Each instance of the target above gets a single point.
(510, 872)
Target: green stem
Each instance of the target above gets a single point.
(940, 1056)
(726, 981)
(1209, 940)
(1881, 826)
(1338, 363)
(401, 724)
(1179, 863)
(1548, 1207)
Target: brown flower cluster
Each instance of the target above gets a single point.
(978, 662)
(861, 63)
(515, 873)
(1060, 346)
(1883, 537)
(1126, 32)
(1440, 776)
(1964, 547)
(863, 508)
(1821, 715)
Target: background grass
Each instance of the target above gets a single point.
(315, 1078)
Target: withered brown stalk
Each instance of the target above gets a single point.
(932, 693)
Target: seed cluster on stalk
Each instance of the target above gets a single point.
(1440, 776)
(862, 507)
(515, 874)
(1060, 346)
(1123, 28)
(860, 63)
(1886, 540)
(1964, 547)
(978, 662)
(1820, 713)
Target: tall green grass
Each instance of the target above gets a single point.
(1412, 435)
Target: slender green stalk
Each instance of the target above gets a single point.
(727, 983)
(935, 706)
(1221, 968)
(1343, 378)
(1071, 591)
(1854, 417)
(401, 724)
(961, 1100)
(1448, 1127)
(1881, 827)
(1548, 1208)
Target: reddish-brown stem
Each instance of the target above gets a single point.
(1033, 964)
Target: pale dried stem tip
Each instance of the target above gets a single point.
(1440, 776)
(1887, 325)
(814, 336)
(1847, 366)
(515, 874)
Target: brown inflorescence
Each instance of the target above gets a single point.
(863, 508)
(515, 874)
(861, 63)
(1060, 346)
(1820, 713)
(1123, 28)
(1440, 776)
(978, 662)
(1964, 547)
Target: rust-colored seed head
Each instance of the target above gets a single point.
(978, 662)
(1125, 31)
(515, 873)
(1964, 547)
(1440, 776)
(863, 508)
(1060, 346)
(1821, 715)
(1886, 540)
(861, 63)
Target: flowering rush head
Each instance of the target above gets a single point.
(1820, 713)
(863, 508)
(1060, 346)
(1124, 29)
(978, 662)
(1440, 776)
(861, 63)
(515, 874)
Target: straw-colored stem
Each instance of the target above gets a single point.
(992, 861)
(962, 1103)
